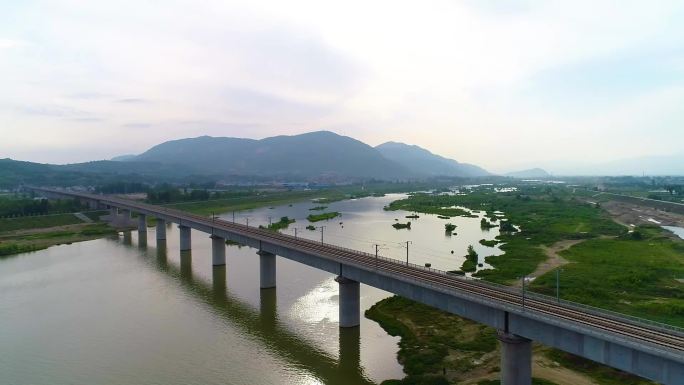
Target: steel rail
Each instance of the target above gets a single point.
(671, 337)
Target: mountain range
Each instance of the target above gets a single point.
(320, 155)
(422, 162)
(314, 154)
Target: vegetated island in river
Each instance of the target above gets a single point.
(323, 216)
(470, 264)
(318, 208)
(490, 243)
(283, 223)
(400, 226)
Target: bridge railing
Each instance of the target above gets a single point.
(528, 295)
(531, 295)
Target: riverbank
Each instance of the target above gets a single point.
(22, 241)
(440, 348)
(276, 198)
(31, 233)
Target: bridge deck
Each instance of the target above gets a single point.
(658, 341)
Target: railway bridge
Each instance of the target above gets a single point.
(647, 349)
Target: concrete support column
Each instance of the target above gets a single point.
(516, 359)
(142, 223)
(267, 270)
(350, 302)
(161, 229)
(113, 212)
(185, 238)
(218, 250)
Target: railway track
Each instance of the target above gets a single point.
(670, 339)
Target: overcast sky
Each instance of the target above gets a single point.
(502, 84)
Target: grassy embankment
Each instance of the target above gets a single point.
(631, 274)
(636, 275)
(440, 348)
(437, 347)
(22, 241)
(31, 233)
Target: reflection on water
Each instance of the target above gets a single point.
(125, 310)
(127, 314)
(364, 224)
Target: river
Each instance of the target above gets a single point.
(117, 311)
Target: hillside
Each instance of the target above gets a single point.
(320, 155)
(421, 161)
(314, 154)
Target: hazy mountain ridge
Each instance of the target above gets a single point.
(320, 153)
(529, 173)
(423, 162)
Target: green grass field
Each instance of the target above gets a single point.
(637, 277)
(37, 222)
(15, 244)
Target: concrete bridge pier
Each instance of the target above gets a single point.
(218, 250)
(350, 302)
(516, 359)
(142, 230)
(161, 229)
(185, 238)
(142, 223)
(113, 214)
(126, 214)
(267, 270)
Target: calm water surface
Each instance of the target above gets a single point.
(679, 231)
(117, 311)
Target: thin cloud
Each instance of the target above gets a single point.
(132, 100)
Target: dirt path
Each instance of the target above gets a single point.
(554, 259)
(628, 214)
(542, 367)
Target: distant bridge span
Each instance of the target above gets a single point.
(647, 349)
